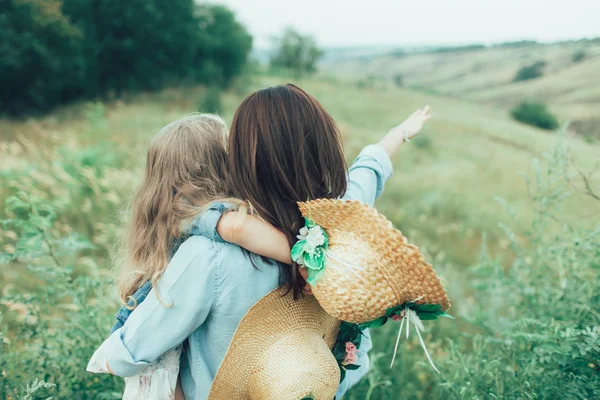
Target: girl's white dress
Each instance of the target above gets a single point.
(156, 382)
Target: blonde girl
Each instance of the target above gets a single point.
(185, 172)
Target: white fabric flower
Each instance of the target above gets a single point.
(315, 237)
(303, 233)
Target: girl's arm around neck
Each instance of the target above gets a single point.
(255, 235)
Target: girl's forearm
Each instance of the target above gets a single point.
(255, 235)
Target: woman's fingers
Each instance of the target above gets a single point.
(424, 112)
(304, 274)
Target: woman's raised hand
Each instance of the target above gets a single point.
(413, 124)
(405, 131)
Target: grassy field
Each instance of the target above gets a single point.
(570, 87)
(449, 190)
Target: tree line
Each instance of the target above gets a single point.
(53, 52)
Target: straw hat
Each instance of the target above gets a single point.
(369, 267)
(281, 350)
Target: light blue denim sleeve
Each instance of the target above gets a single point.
(188, 286)
(368, 174)
(138, 297)
(205, 224)
(366, 180)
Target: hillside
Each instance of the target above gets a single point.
(571, 88)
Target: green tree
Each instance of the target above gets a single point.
(56, 51)
(296, 52)
(222, 45)
(41, 58)
(139, 44)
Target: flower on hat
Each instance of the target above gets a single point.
(315, 237)
(312, 238)
(399, 316)
(309, 251)
(303, 233)
(351, 354)
(345, 349)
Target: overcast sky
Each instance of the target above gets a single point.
(416, 22)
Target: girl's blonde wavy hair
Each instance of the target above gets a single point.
(186, 170)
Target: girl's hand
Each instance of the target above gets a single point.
(109, 370)
(405, 131)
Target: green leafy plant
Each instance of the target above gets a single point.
(34, 387)
(530, 71)
(578, 55)
(51, 329)
(537, 325)
(526, 328)
(535, 114)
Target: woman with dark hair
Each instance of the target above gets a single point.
(283, 148)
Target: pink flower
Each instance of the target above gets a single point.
(398, 317)
(351, 356)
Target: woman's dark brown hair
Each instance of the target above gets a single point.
(285, 148)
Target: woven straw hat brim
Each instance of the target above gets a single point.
(280, 350)
(371, 266)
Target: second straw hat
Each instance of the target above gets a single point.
(360, 267)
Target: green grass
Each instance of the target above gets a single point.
(445, 194)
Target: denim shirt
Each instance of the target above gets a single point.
(205, 225)
(210, 285)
